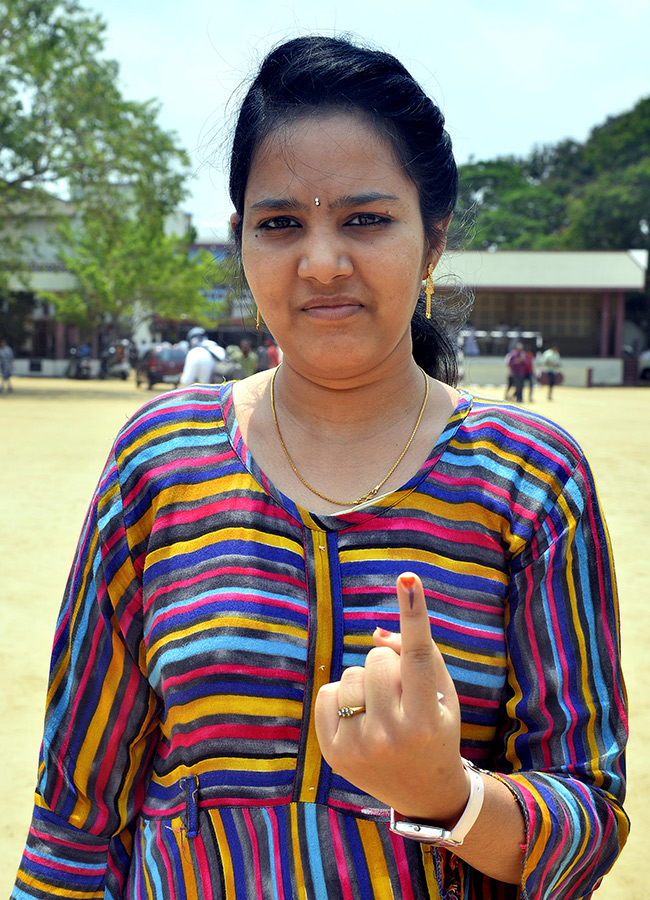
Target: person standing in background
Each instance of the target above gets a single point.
(529, 374)
(6, 366)
(201, 358)
(551, 365)
(517, 365)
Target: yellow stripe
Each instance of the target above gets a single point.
(216, 622)
(46, 888)
(321, 663)
(469, 567)
(227, 763)
(375, 857)
(179, 548)
(224, 852)
(220, 704)
(297, 858)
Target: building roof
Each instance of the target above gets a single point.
(524, 270)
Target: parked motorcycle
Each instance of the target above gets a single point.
(79, 363)
(114, 361)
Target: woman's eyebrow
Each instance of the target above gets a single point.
(280, 204)
(291, 204)
(361, 199)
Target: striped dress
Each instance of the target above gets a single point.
(204, 610)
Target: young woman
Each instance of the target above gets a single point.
(246, 700)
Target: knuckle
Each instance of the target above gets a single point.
(352, 676)
(420, 655)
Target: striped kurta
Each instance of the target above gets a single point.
(204, 610)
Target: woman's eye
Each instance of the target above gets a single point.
(367, 219)
(278, 223)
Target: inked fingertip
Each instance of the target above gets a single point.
(407, 579)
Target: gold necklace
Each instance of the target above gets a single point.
(371, 493)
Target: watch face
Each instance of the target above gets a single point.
(423, 833)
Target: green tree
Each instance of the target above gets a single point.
(506, 206)
(66, 129)
(612, 212)
(127, 270)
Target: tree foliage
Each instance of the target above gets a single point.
(127, 268)
(64, 124)
(570, 196)
(67, 131)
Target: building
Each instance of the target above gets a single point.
(573, 299)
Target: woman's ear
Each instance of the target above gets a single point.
(235, 219)
(437, 245)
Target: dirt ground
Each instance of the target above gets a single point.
(54, 437)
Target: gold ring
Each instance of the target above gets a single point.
(346, 712)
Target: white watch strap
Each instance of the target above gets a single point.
(428, 833)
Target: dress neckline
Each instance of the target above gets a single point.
(346, 518)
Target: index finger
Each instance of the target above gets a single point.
(419, 656)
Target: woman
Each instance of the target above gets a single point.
(244, 681)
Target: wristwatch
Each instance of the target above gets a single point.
(426, 833)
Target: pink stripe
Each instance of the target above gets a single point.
(452, 601)
(206, 576)
(214, 599)
(355, 807)
(277, 853)
(52, 839)
(462, 535)
(49, 863)
(339, 854)
(403, 871)
(611, 641)
(255, 671)
(255, 853)
(245, 732)
(87, 675)
(162, 847)
(482, 486)
(203, 508)
(539, 664)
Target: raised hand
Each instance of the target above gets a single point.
(405, 748)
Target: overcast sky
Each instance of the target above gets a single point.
(508, 74)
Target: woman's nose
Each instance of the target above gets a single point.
(324, 258)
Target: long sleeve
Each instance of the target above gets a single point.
(101, 720)
(566, 698)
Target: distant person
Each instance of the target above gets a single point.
(262, 357)
(470, 344)
(275, 354)
(517, 366)
(551, 365)
(201, 358)
(6, 366)
(529, 374)
(245, 357)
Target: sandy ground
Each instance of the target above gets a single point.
(54, 438)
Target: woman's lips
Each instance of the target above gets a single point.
(332, 308)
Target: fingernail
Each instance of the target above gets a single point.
(383, 632)
(408, 581)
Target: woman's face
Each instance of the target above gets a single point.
(333, 246)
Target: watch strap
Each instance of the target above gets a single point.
(428, 833)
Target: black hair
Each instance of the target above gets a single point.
(310, 75)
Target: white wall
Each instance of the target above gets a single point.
(492, 370)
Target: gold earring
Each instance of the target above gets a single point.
(428, 290)
(257, 318)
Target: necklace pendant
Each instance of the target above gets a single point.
(368, 496)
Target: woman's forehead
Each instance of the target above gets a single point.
(343, 148)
